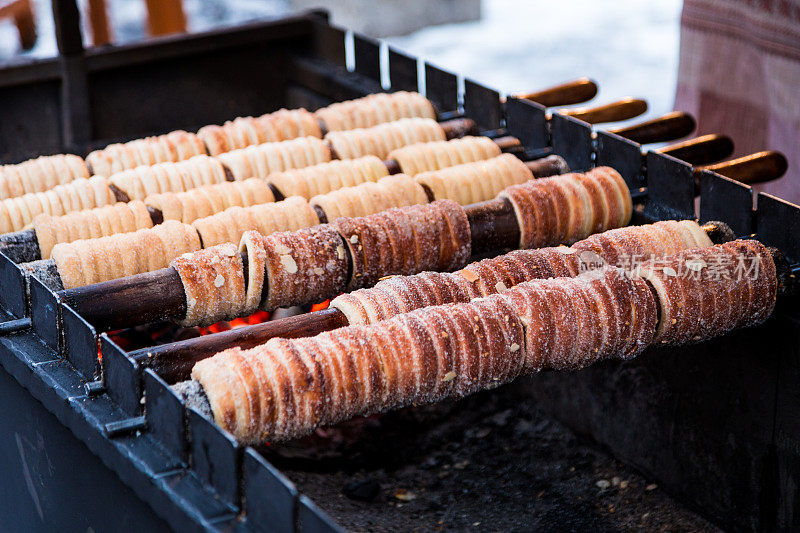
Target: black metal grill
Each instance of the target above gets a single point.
(664, 413)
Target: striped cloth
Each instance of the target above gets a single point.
(740, 75)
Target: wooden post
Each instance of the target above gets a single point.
(98, 22)
(165, 17)
(22, 13)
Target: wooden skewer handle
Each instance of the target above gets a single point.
(551, 165)
(125, 302)
(701, 150)
(624, 109)
(459, 127)
(569, 93)
(760, 167)
(667, 127)
(174, 361)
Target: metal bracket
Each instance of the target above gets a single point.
(572, 139)
(368, 57)
(670, 188)
(727, 200)
(166, 415)
(402, 71)
(441, 88)
(14, 296)
(483, 105)
(215, 457)
(122, 376)
(778, 224)
(623, 155)
(80, 343)
(272, 494)
(527, 121)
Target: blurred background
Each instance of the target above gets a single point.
(511, 45)
(734, 64)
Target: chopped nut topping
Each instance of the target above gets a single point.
(289, 263)
(469, 275)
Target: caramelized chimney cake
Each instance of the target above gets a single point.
(704, 293)
(618, 247)
(413, 239)
(214, 284)
(286, 388)
(303, 266)
(569, 207)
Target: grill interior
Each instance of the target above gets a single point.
(667, 414)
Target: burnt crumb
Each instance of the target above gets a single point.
(493, 461)
(192, 393)
(365, 490)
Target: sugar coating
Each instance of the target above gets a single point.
(728, 297)
(213, 281)
(566, 208)
(303, 267)
(406, 293)
(406, 240)
(286, 388)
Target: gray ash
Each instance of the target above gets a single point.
(491, 462)
(193, 395)
(45, 270)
